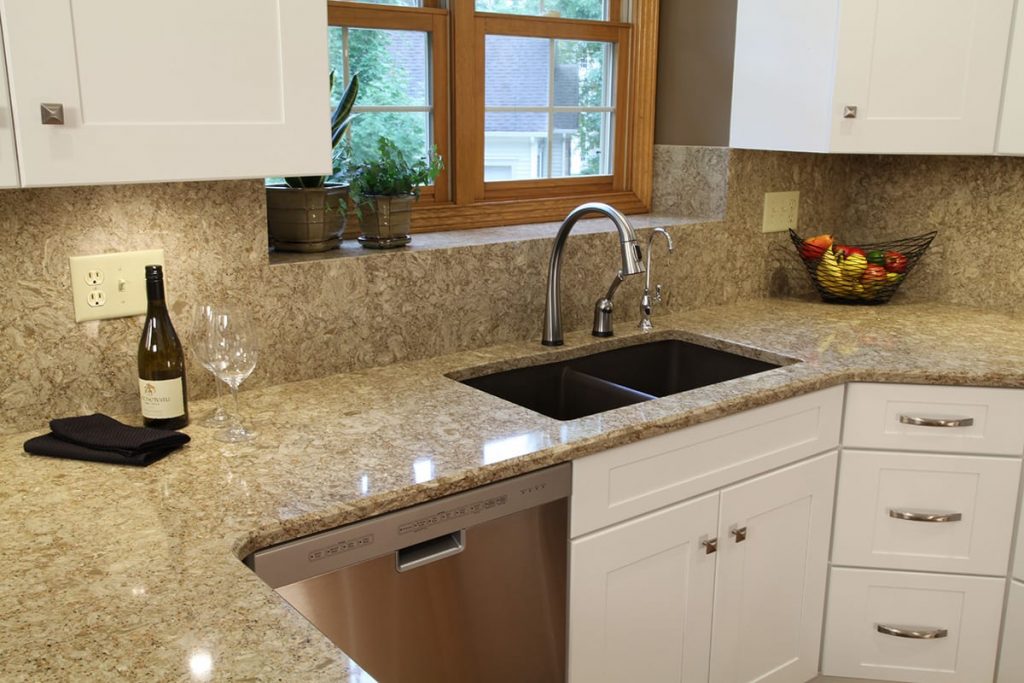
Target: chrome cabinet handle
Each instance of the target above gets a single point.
(52, 114)
(936, 421)
(918, 516)
(710, 545)
(849, 112)
(916, 632)
(739, 535)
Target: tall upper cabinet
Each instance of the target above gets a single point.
(129, 91)
(873, 76)
(1011, 123)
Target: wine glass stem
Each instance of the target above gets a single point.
(219, 402)
(236, 417)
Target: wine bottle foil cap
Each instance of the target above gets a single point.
(155, 272)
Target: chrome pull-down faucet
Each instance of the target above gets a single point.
(632, 264)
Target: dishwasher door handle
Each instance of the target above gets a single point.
(413, 556)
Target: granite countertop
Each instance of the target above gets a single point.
(116, 572)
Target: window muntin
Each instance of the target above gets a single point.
(596, 10)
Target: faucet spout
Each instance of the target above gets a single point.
(632, 264)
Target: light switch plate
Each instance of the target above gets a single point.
(780, 211)
(105, 286)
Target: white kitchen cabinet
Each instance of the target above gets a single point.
(906, 626)
(644, 593)
(919, 511)
(153, 91)
(8, 154)
(1011, 660)
(641, 595)
(1011, 122)
(770, 584)
(869, 76)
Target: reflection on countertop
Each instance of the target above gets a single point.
(121, 572)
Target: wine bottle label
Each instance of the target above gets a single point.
(161, 398)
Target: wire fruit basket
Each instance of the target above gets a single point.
(865, 274)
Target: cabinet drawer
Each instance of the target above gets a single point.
(936, 419)
(631, 480)
(862, 602)
(945, 513)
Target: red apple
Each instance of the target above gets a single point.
(895, 262)
(813, 248)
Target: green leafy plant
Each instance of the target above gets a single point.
(392, 174)
(341, 120)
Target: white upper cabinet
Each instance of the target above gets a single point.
(8, 156)
(870, 76)
(155, 91)
(1011, 126)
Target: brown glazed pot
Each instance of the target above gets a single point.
(306, 219)
(386, 220)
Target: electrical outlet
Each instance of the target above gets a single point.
(107, 286)
(780, 211)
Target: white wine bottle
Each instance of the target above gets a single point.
(162, 390)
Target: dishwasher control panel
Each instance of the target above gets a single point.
(340, 547)
(469, 510)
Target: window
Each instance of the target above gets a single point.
(535, 105)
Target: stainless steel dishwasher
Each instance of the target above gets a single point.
(471, 587)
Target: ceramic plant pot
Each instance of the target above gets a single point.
(306, 219)
(386, 220)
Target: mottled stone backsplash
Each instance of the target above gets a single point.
(332, 315)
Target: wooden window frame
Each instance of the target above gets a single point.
(461, 199)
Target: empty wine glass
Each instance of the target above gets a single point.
(233, 351)
(202, 327)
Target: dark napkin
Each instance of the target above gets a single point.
(100, 438)
(104, 433)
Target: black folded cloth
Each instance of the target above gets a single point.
(100, 438)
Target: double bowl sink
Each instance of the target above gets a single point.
(578, 387)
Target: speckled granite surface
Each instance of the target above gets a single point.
(133, 574)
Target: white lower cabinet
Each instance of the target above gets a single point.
(751, 559)
(908, 626)
(1011, 661)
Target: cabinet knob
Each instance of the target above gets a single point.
(849, 112)
(52, 114)
(710, 545)
(739, 535)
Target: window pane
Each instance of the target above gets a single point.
(392, 65)
(581, 144)
(408, 130)
(515, 146)
(581, 73)
(567, 9)
(517, 71)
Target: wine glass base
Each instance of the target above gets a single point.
(234, 435)
(215, 418)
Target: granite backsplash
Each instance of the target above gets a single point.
(332, 315)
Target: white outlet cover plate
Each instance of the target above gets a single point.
(780, 211)
(123, 283)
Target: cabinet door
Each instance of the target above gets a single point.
(8, 158)
(770, 588)
(1011, 659)
(640, 597)
(185, 90)
(1011, 123)
(926, 76)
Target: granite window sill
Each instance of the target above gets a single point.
(457, 239)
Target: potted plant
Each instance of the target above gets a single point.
(307, 213)
(383, 191)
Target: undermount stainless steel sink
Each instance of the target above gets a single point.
(602, 381)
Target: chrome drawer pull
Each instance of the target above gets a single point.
(916, 632)
(936, 421)
(912, 516)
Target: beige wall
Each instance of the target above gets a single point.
(695, 56)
